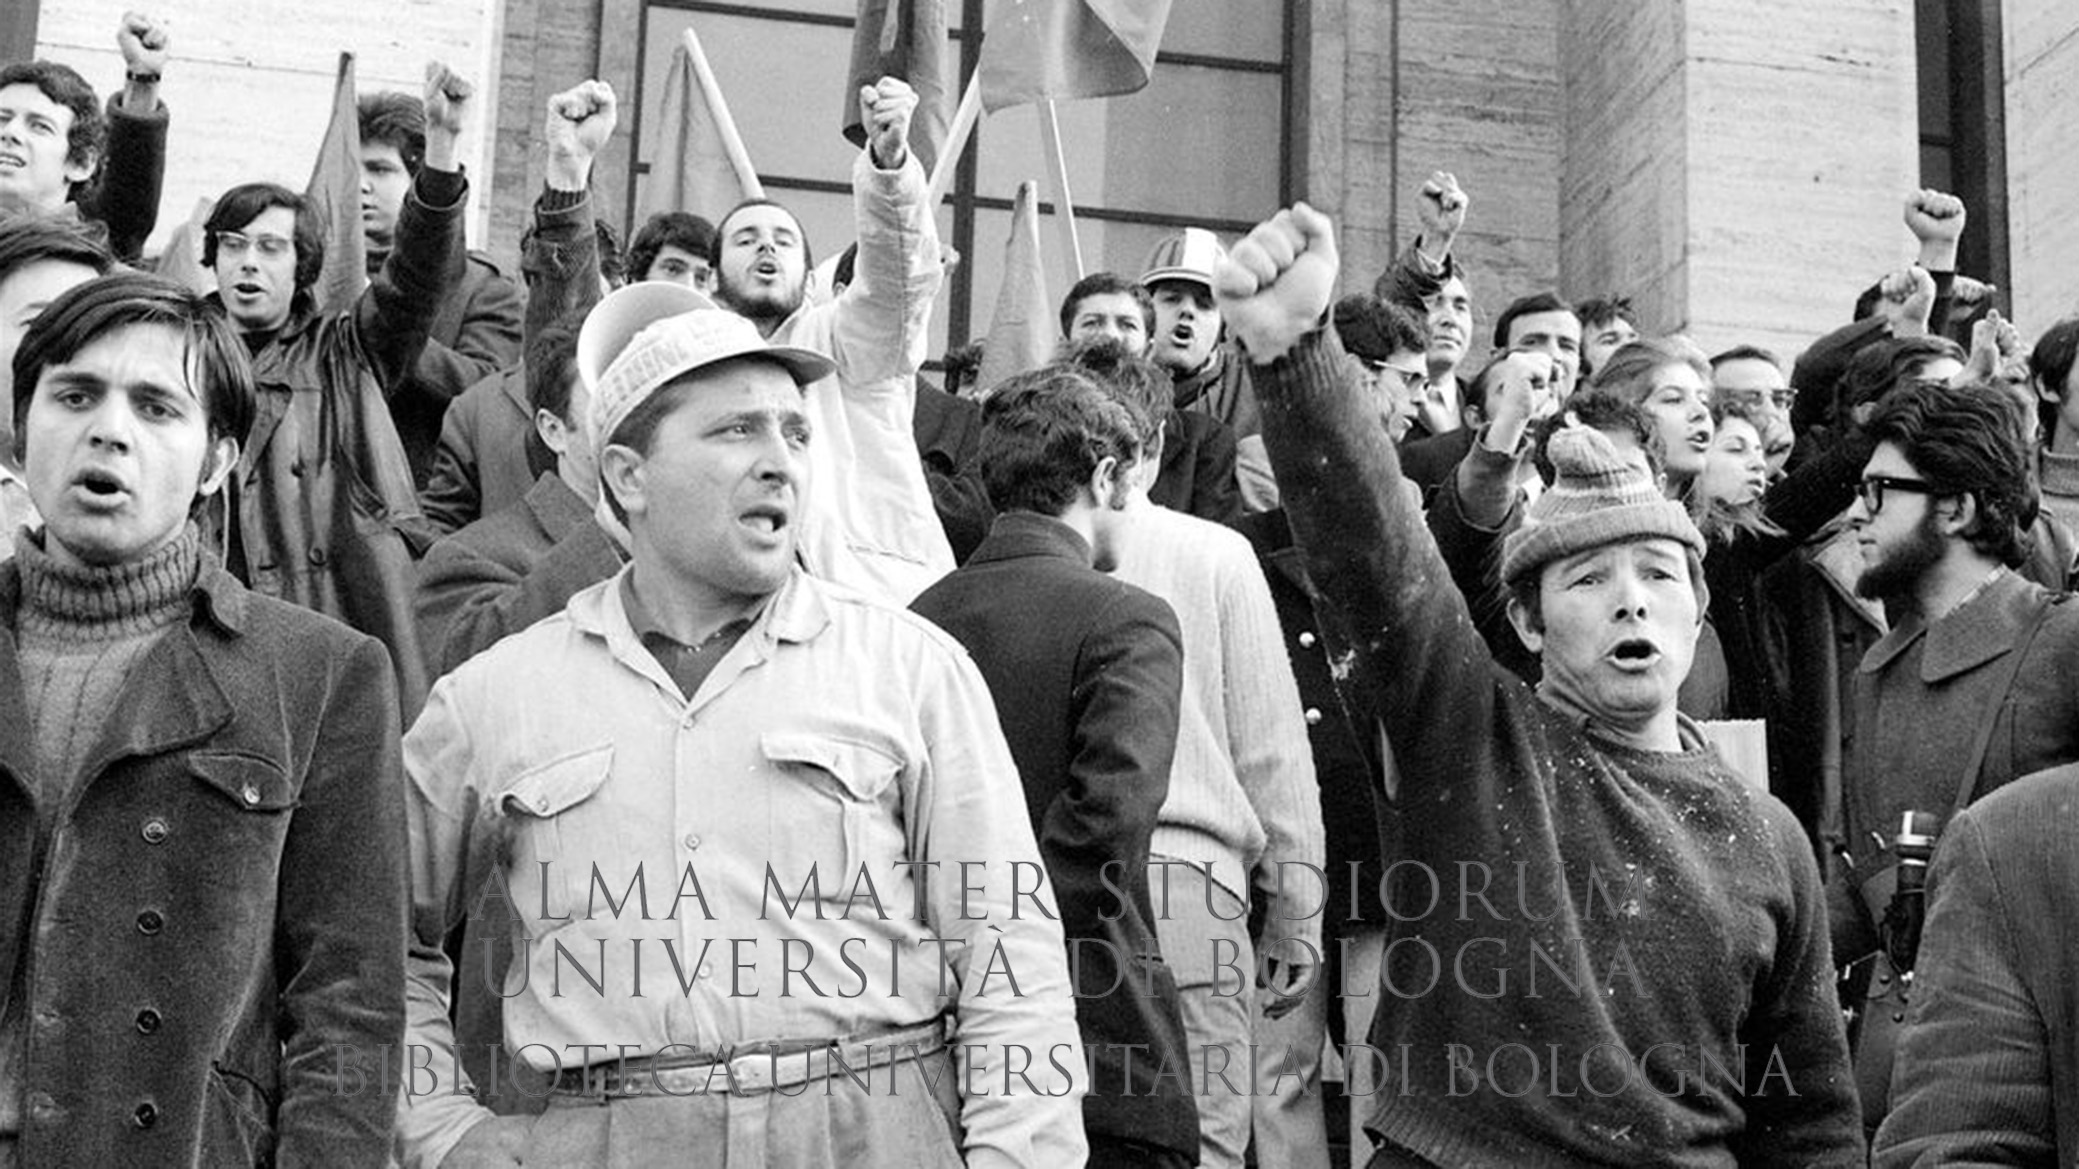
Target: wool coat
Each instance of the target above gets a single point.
(1988, 1069)
(1087, 672)
(210, 951)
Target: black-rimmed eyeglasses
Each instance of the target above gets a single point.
(1872, 489)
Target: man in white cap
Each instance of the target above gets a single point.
(764, 841)
(1188, 341)
(875, 527)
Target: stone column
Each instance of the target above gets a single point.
(1404, 87)
(1737, 167)
(2041, 43)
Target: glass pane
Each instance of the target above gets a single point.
(782, 82)
(1198, 142)
(844, 8)
(1253, 30)
(1118, 247)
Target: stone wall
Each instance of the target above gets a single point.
(2042, 72)
(250, 81)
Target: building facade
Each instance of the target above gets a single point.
(1736, 167)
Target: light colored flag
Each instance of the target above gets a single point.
(906, 39)
(1049, 50)
(335, 195)
(701, 165)
(181, 259)
(1023, 333)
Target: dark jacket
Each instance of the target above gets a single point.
(212, 954)
(1087, 673)
(1922, 693)
(506, 571)
(475, 334)
(489, 455)
(1197, 472)
(948, 430)
(1345, 755)
(1432, 459)
(321, 432)
(1988, 1070)
(124, 197)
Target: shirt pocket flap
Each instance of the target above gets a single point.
(248, 781)
(560, 784)
(862, 771)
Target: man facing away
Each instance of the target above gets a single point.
(1086, 671)
(826, 772)
(203, 813)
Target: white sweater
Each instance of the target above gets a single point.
(1242, 792)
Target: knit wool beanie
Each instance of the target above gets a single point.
(1597, 497)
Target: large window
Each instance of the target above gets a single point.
(1963, 134)
(1206, 143)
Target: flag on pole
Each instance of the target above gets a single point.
(1023, 333)
(701, 165)
(335, 195)
(1040, 50)
(181, 259)
(906, 39)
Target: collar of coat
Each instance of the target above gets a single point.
(1018, 534)
(172, 698)
(1977, 632)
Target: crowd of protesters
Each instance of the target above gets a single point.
(585, 719)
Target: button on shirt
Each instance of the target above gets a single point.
(648, 835)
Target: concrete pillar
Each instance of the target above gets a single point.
(1400, 89)
(2041, 49)
(1737, 167)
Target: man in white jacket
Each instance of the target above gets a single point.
(871, 526)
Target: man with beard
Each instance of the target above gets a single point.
(1971, 687)
(873, 527)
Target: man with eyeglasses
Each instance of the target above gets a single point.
(322, 511)
(1972, 686)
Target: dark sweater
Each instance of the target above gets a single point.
(1692, 902)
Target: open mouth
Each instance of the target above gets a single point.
(247, 288)
(1634, 653)
(101, 484)
(14, 160)
(764, 519)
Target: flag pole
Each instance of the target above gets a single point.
(1057, 181)
(964, 120)
(732, 142)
